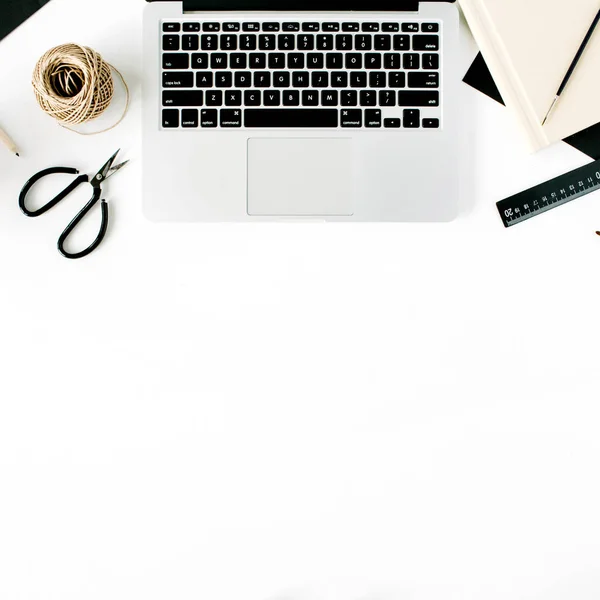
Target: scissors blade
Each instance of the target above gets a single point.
(106, 167)
(113, 170)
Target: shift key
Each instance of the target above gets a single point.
(415, 99)
(175, 79)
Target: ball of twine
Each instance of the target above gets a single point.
(74, 85)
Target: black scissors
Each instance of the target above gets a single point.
(103, 174)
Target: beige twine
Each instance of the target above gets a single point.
(74, 85)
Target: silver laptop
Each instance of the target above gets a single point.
(340, 110)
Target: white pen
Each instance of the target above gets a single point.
(8, 142)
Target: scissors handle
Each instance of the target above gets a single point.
(73, 224)
(27, 187)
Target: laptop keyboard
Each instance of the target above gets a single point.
(277, 74)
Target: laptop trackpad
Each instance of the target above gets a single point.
(300, 177)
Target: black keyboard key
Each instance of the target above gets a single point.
(411, 118)
(387, 98)
(190, 42)
(325, 42)
(208, 117)
(329, 98)
(300, 79)
(391, 61)
(224, 79)
(270, 27)
(431, 61)
(349, 98)
(238, 60)
(351, 118)
(331, 26)
(243, 79)
(296, 60)
(310, 98)
(373, 118)
(176, 61)
(310, 27)
(251, 26)
(286, 41)
(383, 42)
(200, 61)
(368, 98)
(211, 27)
(209, 42)
(391, 27)
(218, 60)
(410, 27)
(402, 42)
(306, 41)
(363, 42)
(370, 26)
(391, 123)
(252, 98)
(431, 123)
(430, 27)
(350, 27)
(291, 98)
(258, 61)
(189, 117)
(411, 61)
(343, 42)
(267, 42)
(231, 118)
(276, 60)
(178, 79)
(229, 42)
(191, 26)
(291, 117)
(354, 61)
(430, 43)
(170, 118)
(170, 43)
(171, 27)
(372, 61)
(231, 26)
(418, 98)
(339, 79)
(233, 98)
(358, 79)
(397, 80)
(320, 79)
(334, 60)
(262, 79)
(291, 27)
(377, 79)
(248, 42)
(182, 98)
(315, 60)
(423, 80)
(214, 98)
(204, 79)
(272, 98)
(281, 79)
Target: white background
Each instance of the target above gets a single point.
(292, 412)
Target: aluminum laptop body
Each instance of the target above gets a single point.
(258, 110)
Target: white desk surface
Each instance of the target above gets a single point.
(292, 411)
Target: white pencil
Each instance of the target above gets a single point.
(8, 142)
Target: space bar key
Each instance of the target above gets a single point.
(283, 117)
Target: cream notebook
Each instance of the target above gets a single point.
(529, 46)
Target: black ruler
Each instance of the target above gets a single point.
(549, 195)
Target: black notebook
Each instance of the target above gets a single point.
(14, 12)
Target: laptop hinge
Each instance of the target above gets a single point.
(302, 5)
